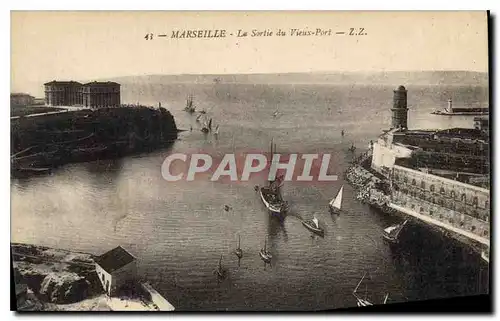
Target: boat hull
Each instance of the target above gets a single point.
(390, 239)
(313, 229)
(264, 257)
(363, 303)
(273, 208)
(334, 210)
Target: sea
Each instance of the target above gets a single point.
(179, 230)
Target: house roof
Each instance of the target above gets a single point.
(115, 259)
(20, 95)
(101, 83)
(54, 82)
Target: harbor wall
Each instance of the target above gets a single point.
(457, 205)
(370, 190)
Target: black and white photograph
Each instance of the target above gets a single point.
(259, 161)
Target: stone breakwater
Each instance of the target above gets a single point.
(369, 187)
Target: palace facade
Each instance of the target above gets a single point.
(72, 93)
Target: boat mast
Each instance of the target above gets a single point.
(359, 283)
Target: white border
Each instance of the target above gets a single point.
(493, 5)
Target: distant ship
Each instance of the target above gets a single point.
(190, 108)
(462, 111)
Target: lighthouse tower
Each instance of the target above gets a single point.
(400, 109)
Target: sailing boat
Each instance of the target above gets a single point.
(313, 226)
(271, 194)
(220, 270)
(363, 302)
(190, 108)
(239, 251)
(392, 232)
(264, 254)
(336, 203)
(207, 126)
(216, 133)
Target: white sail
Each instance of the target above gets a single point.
(217, 130)
(337, 202)
(315, 220)
(390, 229)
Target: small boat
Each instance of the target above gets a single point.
(190, 108)
(363, 302)
(216, 130)
(220, 272)
(272, 200)
(210, 125)
(198, 118)
(313, 226)
(485, 255)
(264, 254)
(342, 133)
(239, 251)
(205, 128)
(392, 232)
(275, 113)
(203, 111)
(336, 203)
(352, 149)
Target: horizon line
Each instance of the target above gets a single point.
(299, 72)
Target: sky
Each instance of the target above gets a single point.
(89, 45)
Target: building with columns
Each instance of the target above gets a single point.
(72, 93)
(63, 93)
(101, 94)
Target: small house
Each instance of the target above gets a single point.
(115, 269)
